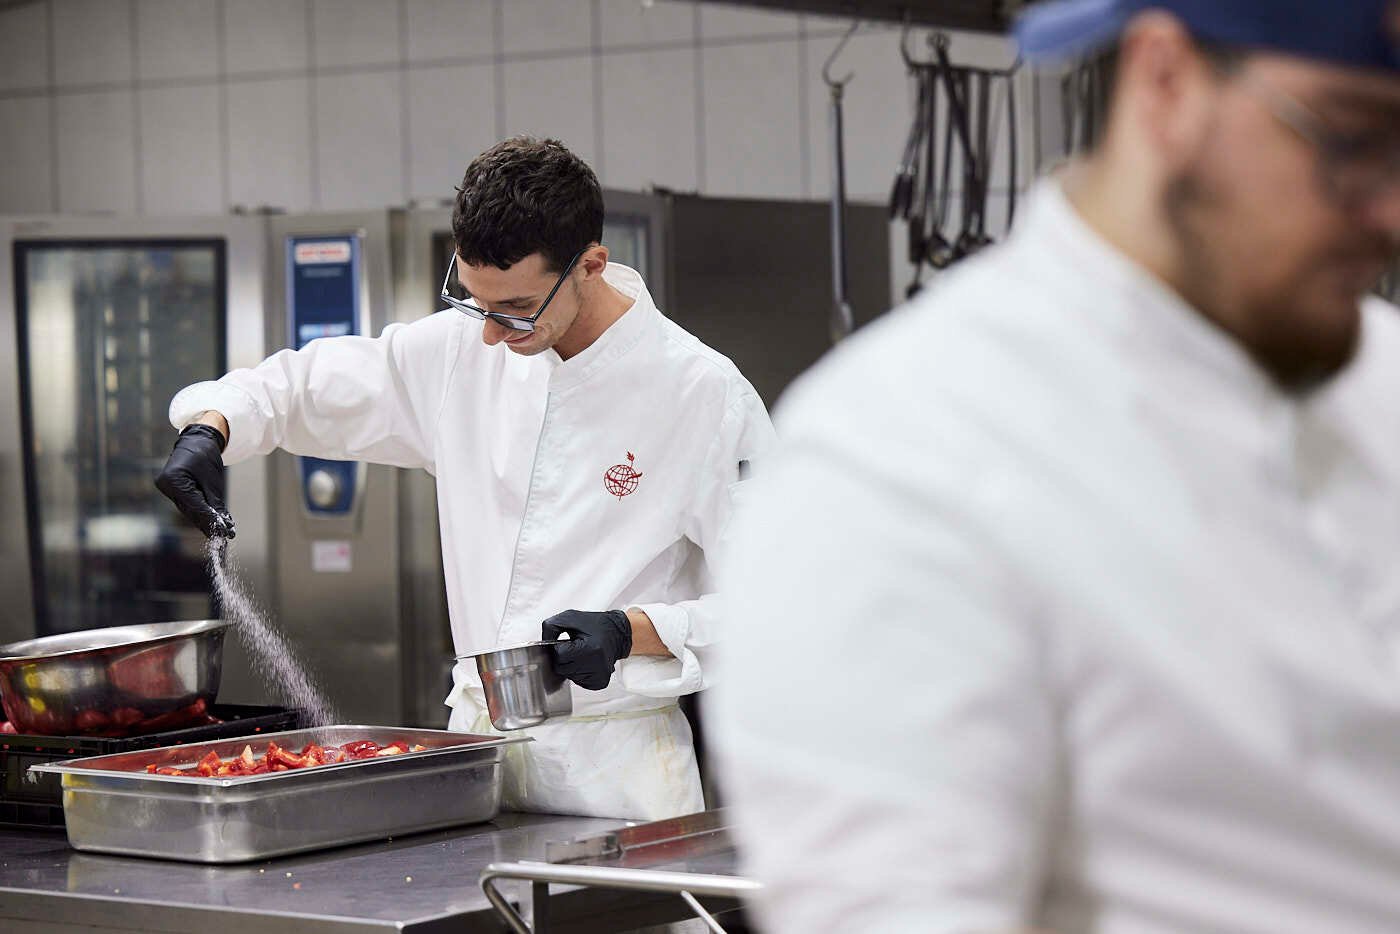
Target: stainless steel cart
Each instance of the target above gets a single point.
(689, 858)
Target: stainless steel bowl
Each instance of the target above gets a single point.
(522, 688)
(117, 680)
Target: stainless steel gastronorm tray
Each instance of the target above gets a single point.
(112, 805)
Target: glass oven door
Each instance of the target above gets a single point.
(109, 331)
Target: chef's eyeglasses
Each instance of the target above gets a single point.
(1355, 168)
(456, 295)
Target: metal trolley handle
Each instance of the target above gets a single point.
(685, 884)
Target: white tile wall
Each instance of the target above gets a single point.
(355, 32)
(359, 140)
(270, 143)
(547, 26)
(1048, 145)
(177, 39)
(451, 115)
(24, 47)
(753, 137)
(1026, 127)
(646, 22)
(92, 42)
(553, 97)
(182, 163)
(26, 183)
(1000, 136)
(439, 29)
(725, 21)
(649, 119)
(406, 92)
(96, 152)
(817, 24)
(265, 36)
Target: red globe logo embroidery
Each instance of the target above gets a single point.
(621, 479)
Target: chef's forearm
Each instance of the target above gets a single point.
(214, 420)
(645, 641)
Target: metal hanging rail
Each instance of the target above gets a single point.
(993, 16)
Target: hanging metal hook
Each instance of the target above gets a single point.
(938, 40)
(910, 62)
(831, 59)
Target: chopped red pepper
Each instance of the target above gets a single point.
(277, 759)
(363, 749)
(209, 765)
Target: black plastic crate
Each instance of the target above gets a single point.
(40, 804)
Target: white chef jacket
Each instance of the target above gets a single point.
(521, 447)
(1054, 611)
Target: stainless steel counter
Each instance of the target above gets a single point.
(423, 883)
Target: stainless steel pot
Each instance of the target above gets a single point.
(522, 689)
(126, 679)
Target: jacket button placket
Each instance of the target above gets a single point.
(526, 581)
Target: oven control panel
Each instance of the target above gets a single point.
(323, 300)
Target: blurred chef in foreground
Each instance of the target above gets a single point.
(1083, 570)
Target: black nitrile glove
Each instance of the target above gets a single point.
(193, 479)
(596, 642)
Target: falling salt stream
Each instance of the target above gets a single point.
(272, 655)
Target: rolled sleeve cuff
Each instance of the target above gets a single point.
(245, 421)
(664, 677)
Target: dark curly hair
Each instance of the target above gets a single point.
(523, 196)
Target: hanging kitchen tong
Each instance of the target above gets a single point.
(924, 209)
(958, 83)
(1011, 143)
(917, 195)
(974, 234)
(937, 249)
(923, 188)
(842, 317)
(905, 177)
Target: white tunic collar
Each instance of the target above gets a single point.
(616, 341)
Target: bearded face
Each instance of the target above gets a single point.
(1279, 239)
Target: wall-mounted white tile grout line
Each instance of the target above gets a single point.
(133, 21)
(314, 136)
